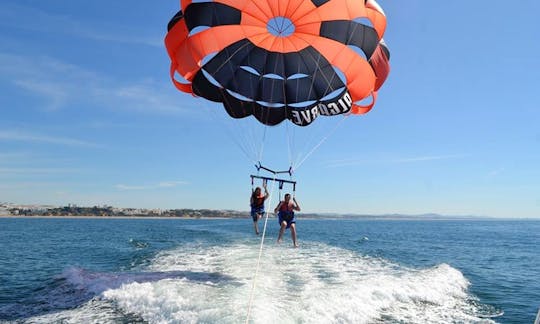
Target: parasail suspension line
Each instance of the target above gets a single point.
(247, 147)
(262, 242)
(262, 145)
(320, 142)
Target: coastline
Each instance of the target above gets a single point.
(114, 217)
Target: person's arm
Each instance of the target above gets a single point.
(266, 194)
(277, 207)
(296, 205)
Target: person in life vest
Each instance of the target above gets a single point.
(257, 205)
(285, 210)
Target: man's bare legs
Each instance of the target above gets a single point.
(281, 231)
(293, 232)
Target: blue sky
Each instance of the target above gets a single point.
(89, 116)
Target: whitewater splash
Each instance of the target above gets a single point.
(316, 283)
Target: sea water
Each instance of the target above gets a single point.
(73, 270)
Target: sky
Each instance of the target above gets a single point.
(89, 116)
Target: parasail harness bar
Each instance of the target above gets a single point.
(280, 182)
(259, 166)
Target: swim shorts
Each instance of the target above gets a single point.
(287, 216)
(255, 211)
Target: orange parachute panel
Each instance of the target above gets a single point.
(280, 59)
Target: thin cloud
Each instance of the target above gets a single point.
(11, 171)
(33, 19)
(164, 184)
(167, 184)
(14, 156)
(427, 158)
(29, 185)
(125, 187)
(346, 162)
(23, 158)
(430, 158)
(104, 124)
(495, 173)
(65, 85)
(57, 95)
(17, 135)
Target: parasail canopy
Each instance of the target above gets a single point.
(280, 59)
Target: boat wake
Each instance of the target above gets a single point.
(316, 283)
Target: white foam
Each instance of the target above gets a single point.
(316, 284)
(90, 281)
(94, 311)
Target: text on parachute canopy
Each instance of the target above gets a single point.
(305, 117)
